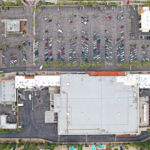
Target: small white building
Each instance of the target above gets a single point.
(145, 19)
(36, 81)
(5, 125)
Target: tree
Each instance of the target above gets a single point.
(45, 64)
(8, 3)
(62, 64)
(26, 146)
(34, 9)
(69, 64)
(75, 64)
(33, 146)
(20, 129)
(89, 2)
(119, 64)
(45, 146)
(19, 145)
(5, 131)
(125, 64)
(56, 63)
(75, 37)
(34, 23)
(3, 145)
(100, 63)
(18, 2)
(147, 2)
(61, 2)
(135, 45)
(94, 63)
(87, 64)
(147, 45)
(50, 63)
(82, 64)
(11, 145)
(52, 146)
(36, 39)
(3, 46)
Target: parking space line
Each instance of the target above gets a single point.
(130, 67)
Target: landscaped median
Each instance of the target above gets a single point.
(82, 64)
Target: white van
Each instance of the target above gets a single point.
(41, 67)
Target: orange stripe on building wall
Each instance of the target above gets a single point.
(29, 77)
(93, 73)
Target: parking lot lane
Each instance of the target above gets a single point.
(30, 35)
(72, 138)
(101, 138)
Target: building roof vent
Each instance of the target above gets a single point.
(68, 84)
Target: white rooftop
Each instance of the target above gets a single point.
(145, 20)
(37, 82)
(7, 91)
(12, 25)
(144, 81)
(97, 105)
(5, 125)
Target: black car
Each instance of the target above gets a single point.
(29, 43)
(38, 95)
(50, 20)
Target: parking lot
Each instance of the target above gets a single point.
(8, 110)
(14, 40)
(99, 21)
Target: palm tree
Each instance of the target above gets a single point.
(62, 64)
(50, 63)
(119, 64)
(75, 64)
(82, 64)
(34, 23)
(94, 63)
(125, 64)
(56, 63)
(100, 63)
(87, 64)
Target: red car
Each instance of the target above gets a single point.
(63, 53)
(71, 21)
(118, 50)
(83, 37)
(15, 58)
(131, 49)
(26, 2)
(122, 40)
(122, 27)
(109, 17)
(119, 61)
(50, 48)
(98, 45)
(58, 54)
(143, 47)
(46, 31)
(62, 50)
(128, 2)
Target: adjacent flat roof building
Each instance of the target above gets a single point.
(97, 104)
(12, 25)
(7, 91)
(145, 19)
(5, 125)
(36, 81)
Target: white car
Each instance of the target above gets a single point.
(45, 18)
(60, 31)
(47, 26)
